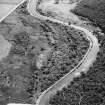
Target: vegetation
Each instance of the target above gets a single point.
(20, 78)
(88, 89)
(94, 10)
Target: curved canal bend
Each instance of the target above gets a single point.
(83, 65)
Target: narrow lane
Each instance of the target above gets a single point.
(83, 65)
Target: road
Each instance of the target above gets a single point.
(83, 65)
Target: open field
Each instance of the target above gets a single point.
(24, 75)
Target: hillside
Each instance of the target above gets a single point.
(94, 10)
(42, 52)
(89, 88)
